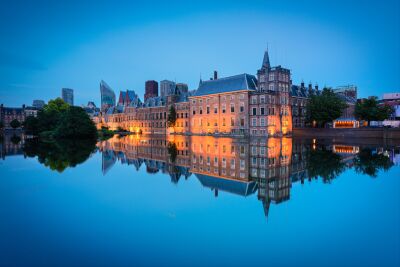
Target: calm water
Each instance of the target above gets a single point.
(137, 201)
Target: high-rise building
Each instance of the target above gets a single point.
(181, 88)
(151, 89)
(107, 96)
(167, 88)
(68, 95)
(38, 104)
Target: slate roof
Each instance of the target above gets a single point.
(227, 84)
(238, 187)
(155, 101)
(298, 91)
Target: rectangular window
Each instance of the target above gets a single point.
(262, 111)
(254, 100)
(254, 122)
(208, 110)
(232, 108)
(254, 111)
(241, 108)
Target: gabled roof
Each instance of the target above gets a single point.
(227, 84)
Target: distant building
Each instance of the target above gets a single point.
(38, 104)
(347, 90)
(151, 89)
(300, 95)
(91, 109)
(31, 111)
(8, 114)
(127, 97)
(107, 96)
(167, 88)
(68, 95)
(182, 88)
(393, 100)
(348, 94)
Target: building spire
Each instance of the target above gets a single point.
(265, 63)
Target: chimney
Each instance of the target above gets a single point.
(316, 87)
(310, 86)
(215, 75)
(302, 84)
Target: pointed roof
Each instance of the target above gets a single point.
(265, 62)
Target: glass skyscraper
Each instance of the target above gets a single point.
(68, 95)
(107, 96)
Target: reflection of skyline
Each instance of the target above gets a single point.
(268, 166)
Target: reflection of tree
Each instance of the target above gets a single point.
(61, 154)
(369, 163)
(15, 139)
(324, 163)
(172, 151)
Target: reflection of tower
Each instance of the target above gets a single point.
(108, 160)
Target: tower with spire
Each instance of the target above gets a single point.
(262, 73)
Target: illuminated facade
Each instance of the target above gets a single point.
(238, 105)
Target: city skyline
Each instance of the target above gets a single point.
(321, 43)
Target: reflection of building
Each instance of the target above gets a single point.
(11, 145)
(268, 166)
(67, 95)
(107, 96)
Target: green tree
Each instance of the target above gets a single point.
(369, 110)
(171, 116)
(31, 125)
(325, 107)
(369, 163)
(49, 117)
(15, 123)
(324, 163)
(75, 123)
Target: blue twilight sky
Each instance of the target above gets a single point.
(47, 45)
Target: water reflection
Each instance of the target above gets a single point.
(267, 167)
(59, 155)
(264, 166)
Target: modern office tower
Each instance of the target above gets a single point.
(107, 96)
(151, 89)
(181, 88)
(167, 88)
(68, 95)
(38, 104)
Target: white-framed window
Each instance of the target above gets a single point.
(254, 99)
(242, 164)
(254, 122)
